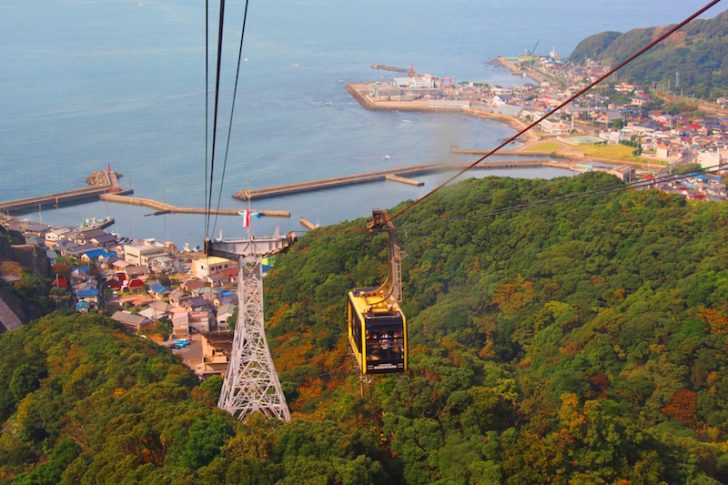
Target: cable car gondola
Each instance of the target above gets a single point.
(377, 327)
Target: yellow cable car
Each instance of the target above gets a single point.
(377, 326)
(377, 332)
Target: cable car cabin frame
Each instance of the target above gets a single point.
(377, 326)
(377, 333)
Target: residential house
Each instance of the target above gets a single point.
(98, 256)
(94, 236)
(178, 297)
(193, 284)
(130, 320)
(133, 284)
(224, 277)
(135, 271)
(197, 304)
(88, 294)
(54, 235)
(36, 230)
(200, 321)
(163, 264)
(120, 265)
(72, 250)
(158, 291)
(225, 297)
(216, 350)
(223, 314)
(155, 311)
(181, 325)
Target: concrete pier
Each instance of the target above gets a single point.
(307, 224)
(397, 174)
(402, 180)
(66, 198)
(169, 208)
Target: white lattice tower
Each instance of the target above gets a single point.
(251, 384)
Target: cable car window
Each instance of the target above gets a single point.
(356, 330)
(385, 345)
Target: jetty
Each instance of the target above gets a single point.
(403, 180)
(165, 208)
(104, 185)
(398, 175)
(307, 224)
(109, 184)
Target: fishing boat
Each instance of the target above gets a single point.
(96, 223)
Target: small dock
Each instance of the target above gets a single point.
(398, 175)
(307, 224)
(165, 208)
(402, 180)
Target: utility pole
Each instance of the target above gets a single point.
(251, 384)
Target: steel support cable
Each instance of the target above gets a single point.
(221, 24)
(207, 108)
(634, 56)
(232, 113)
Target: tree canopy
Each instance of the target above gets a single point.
(577, 342)
(696, 52)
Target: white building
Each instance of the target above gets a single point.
(140, 252)
(54, 235)
(711, 158)
(204, 267)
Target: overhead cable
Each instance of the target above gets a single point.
(221, 25)
(232, 113)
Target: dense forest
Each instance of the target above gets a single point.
(577, 342)
(698, 52)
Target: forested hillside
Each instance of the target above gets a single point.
(697, 52)
(85, 402)
(579, 342)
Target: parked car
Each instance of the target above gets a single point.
(180, 345)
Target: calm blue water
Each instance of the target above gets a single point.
(84, 82)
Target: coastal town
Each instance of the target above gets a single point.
(618, 123)
(187, 301)
(178, 298)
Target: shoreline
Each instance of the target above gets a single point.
(527, 139)
(534, 75)
(424, 107)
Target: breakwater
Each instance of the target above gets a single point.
(110, 184)
(166, 208)
(395, 174)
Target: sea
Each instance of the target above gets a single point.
(86, 83)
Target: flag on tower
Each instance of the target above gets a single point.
(246, 218)
(247, 214)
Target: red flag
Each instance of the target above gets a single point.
(246, 218)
